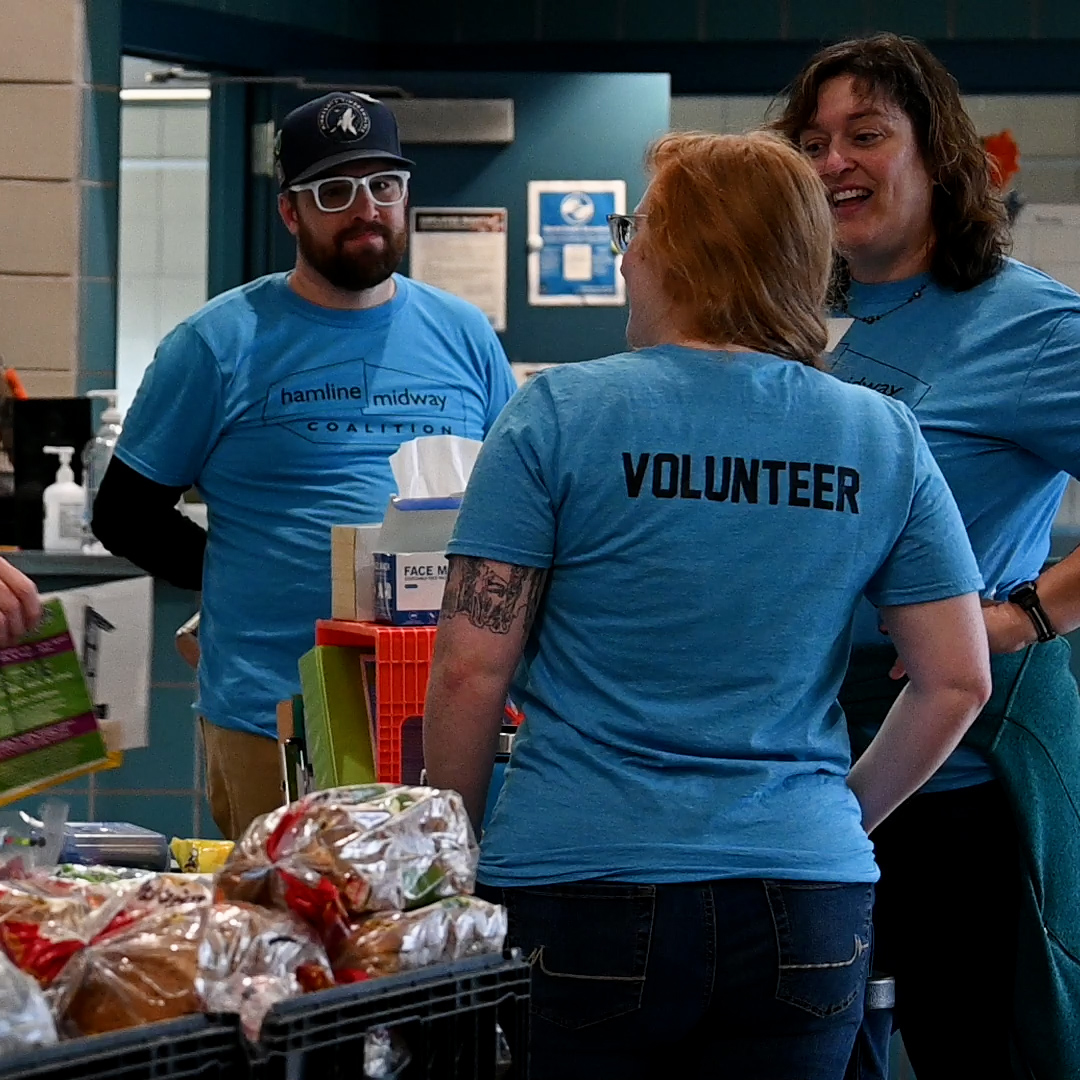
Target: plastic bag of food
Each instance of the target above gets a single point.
(393, 941)
(338, 854)
(189, 957)
(45, 921)
(250, 958)
(98, 875)
(25, 1019)
(160, 891)
(137, 973)
(200, 856)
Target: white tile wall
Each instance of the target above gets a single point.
(163, 231)
(1045, 125)
(725, 115)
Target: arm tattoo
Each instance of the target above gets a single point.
(491, 595)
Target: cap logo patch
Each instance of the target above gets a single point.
(344, 119)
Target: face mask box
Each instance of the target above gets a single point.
(410, 565)
(409, 587)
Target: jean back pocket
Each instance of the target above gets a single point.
(589, 947)
(823, 942)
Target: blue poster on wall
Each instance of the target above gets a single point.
(571, 260)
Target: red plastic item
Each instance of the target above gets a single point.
(402, 656)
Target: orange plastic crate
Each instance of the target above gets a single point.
(402, 660)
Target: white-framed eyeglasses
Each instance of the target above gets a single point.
(623, 227)
(333, 194)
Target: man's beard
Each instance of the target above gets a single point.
(353, 271)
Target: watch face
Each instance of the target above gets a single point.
(1023, 594)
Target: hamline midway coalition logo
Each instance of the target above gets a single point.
(356, 400)
(851, 366)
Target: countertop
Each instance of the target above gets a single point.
(37, 564)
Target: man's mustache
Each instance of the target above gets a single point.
(354, 232)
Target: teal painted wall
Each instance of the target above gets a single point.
(100, 191)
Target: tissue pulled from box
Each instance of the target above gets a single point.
(434, 466)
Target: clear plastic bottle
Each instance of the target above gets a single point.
(96, 458)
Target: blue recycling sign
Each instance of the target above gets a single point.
(575, 260)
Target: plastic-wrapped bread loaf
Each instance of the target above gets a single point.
(337, 855)
(393, 941)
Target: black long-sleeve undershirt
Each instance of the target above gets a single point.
(136, 518)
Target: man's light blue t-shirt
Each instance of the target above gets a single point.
(710, 521)
(283, 414)
(993, 377)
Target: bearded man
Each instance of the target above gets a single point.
(281, 402)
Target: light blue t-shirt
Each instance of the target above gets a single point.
(283, 414)
(710, 521)
(993, 377)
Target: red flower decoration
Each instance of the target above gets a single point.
(1004, 157)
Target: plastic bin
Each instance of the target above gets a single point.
(400, 659)
(194, 1046)
(445, 1015)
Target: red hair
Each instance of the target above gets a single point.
(741, 229)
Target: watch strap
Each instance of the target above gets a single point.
(1026, 597)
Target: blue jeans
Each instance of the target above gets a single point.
(759, 980)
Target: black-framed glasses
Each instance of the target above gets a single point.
(333, 194)
(623, 227)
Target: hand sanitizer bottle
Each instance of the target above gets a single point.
(96, 458)
(64, 501)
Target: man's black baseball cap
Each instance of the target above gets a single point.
(332, 130)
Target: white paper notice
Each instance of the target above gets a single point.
(462, 249)
(577, 262)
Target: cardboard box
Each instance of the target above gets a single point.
(409, 587)
(352, 571)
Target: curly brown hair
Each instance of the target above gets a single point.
(968, 214)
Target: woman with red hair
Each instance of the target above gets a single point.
(674, 540)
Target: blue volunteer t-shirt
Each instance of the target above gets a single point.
(993, 377)
(710, 521)
(283, 414)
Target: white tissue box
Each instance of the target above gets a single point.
(409, 587)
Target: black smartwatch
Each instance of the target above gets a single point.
(1026, 596)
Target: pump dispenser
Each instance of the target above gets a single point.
(64, 501)
(96, 458)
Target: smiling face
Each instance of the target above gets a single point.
(865, 149)
(356, 249)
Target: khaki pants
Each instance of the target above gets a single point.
(243, 777)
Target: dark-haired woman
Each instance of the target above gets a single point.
(975, 907)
